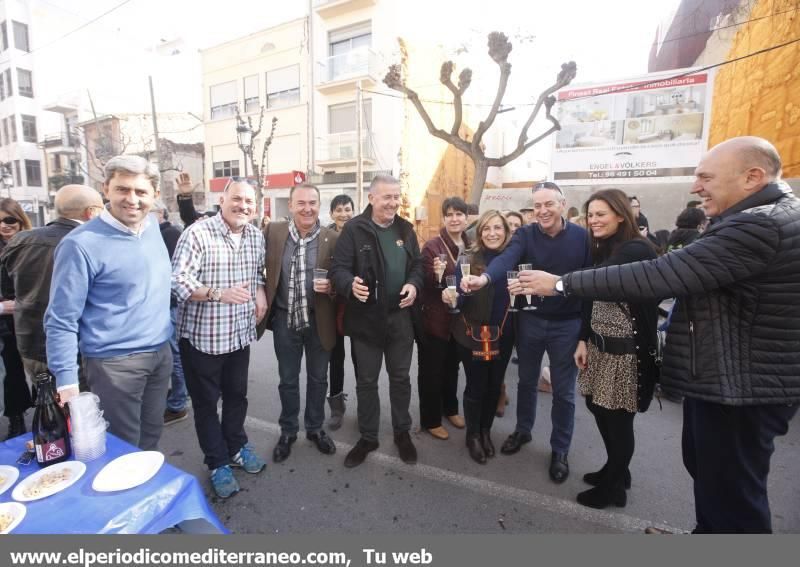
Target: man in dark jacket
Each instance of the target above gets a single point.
(27, 266)
(378, 317)
(733, 345)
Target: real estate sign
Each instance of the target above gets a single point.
(649, 129)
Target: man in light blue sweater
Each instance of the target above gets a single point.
(109, 299)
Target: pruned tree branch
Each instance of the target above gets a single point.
(464, 80)
(499, 48)
(565, 76)
(521, 149)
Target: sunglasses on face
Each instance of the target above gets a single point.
(237, 179)
(9, 220)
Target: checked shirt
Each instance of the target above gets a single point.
(207, 256)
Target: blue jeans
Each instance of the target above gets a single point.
(176, 399)
(559, 339)
(289, 347)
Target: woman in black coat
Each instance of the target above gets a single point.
(616, 351)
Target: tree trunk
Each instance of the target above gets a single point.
(481, 169)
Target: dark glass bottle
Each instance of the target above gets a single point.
(368, 273)
(50, 424)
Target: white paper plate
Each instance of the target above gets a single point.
(75, 468)
(8, 476)
(128, 471)
(16, 511)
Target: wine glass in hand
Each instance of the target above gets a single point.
(529, 306)
(440, 268)
(512, 277)
(452, 294)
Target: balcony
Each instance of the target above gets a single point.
(60, 142)
(333, 8)
(340, 73)
(340, 150)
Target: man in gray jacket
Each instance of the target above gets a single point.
(733, 348)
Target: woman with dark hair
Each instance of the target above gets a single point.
(437, 375)
(342, 210)
(485, 336)
(515, 220)
(616, 351)
(687, 228)
(16, 392)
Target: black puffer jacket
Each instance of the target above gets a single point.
(363, 320)
(735, 334)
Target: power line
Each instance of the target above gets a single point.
(80, 27)
(632, 87)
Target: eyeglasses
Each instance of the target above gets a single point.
(547, 185)
(9, 220)
(237, 179)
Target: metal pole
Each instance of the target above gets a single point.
(310, 91)
(359, 165)
(244, 153)
(155, 121)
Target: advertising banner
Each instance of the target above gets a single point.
(646, 130)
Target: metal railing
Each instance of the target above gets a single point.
(343, 147)
(359, 62)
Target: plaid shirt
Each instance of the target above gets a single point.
(206, 256)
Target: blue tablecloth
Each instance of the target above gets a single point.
(172, 497)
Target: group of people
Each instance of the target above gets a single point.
(141, 312)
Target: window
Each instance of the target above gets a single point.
(29, 128)
(33, 172)
(4, 36)
(9, 89)
(25, 83)
(223, 100)
(251, 94)
(226, 168)
(21, 40)
(283, 87)
(2, 86)
(6, 137)
(18, 174)
(13, 127)
(342, 117)
(349, 51)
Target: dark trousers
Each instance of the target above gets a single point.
(616, 429)
(484, 380)
(727, 450)
(209, 376)
(336, 369)
(396, 350)
(437, 379)
(16, 391)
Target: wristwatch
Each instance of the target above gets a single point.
(214, 294)
(559, 286)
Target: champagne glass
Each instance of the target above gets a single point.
(529, 306)
(452, 294)
(465, 270)
(512, 277)
(441, 270)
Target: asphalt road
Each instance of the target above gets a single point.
(446, 492)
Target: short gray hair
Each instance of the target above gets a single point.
(135, 165)
(304, 186)
(382, 179)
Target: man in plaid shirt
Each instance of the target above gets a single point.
(218, 280)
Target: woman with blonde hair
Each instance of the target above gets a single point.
(485, 335)
(16, 393)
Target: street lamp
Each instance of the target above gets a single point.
(6, 178)
(244, 136)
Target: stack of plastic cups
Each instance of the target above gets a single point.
(88, 427)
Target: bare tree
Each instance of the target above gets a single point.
(499, 49)
(260, 169)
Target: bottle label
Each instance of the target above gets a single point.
(51, 451)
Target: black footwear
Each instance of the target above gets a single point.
(594, 478)
(602, 497)
(16, 426)
(322, 441)
(359, 452)
(486, 443)
(515, 442)
(408, 453)
(476, 449)
(283, 449)
(559, 468)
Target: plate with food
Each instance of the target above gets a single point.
(11, 514)
(128, 471)
(49, 481)
(8, 476)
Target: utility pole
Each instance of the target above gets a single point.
(155, 122)
(310, 91)
(359, 164)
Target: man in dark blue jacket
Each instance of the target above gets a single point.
(557, 246)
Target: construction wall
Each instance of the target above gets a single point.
(760, 95)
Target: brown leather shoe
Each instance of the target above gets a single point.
(359, 452)
(405, 447)
(457, 421)
(439, 432)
